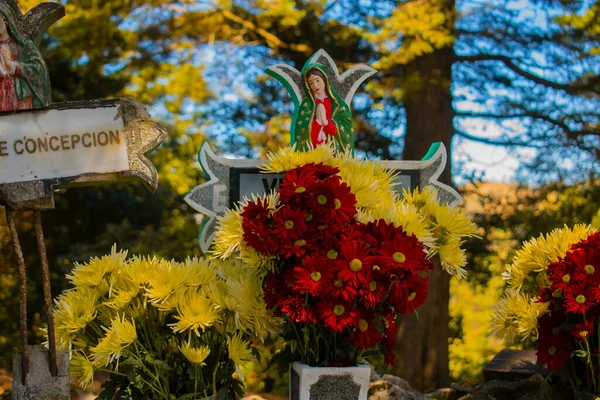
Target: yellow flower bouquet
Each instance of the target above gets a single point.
(162, 329)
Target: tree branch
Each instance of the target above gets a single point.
(572, 88)
(496, 142)
(465, 114)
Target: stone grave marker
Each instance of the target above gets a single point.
(232, 180)
(45, 146)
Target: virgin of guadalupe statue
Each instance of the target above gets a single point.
(323, 116)
(24, 80)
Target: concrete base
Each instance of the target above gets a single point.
(329, 383)
(39, 384)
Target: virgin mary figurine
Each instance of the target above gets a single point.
(323, 117)
(24, 80)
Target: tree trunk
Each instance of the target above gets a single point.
(422, 346)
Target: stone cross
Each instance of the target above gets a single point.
(231, 180)
(45, 146)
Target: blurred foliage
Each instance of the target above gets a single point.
(531, 76)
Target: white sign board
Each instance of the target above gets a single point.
(61, 143)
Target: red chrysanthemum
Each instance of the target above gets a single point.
(336, 316)
(554, 355)
(296, 248)
(561, 275)
(354, 262)
(404, 252)
(342, 291)
(323, 171)
(298, 311)
(275, 291)
(389, 340)
(256, 210)
(381, 230)
(375, 291)
(549, 326)
(591, 243)
(585, 264)
(578, 298)
(365, 332)
(297, 185)
(289, 223)
(344, 202)
(583, 330)
(314, 276)
(554, 345)
(414, 298)
(258, 235)
(322, 200)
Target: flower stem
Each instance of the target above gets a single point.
(590, 365)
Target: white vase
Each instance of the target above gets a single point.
(329, 383)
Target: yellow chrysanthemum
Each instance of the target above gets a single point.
(505, 323)
(82, 368)
(239, 349)
(91, 274)
(75, 309)
(136, 309)
(171, 303)
(166, 279)
(200, 272)
(256, 260)
(406, 216)
(287, 158)
(451, 223)
(120, 298)
(125, 330)
(195, 355)
(218, 293)
(370, 182)
(229, 234)
(445, 220)
(528, 319)
(531, 262)
(139, 270)
(195, 312)
(453, 258)
(121, 334)
(516, 316)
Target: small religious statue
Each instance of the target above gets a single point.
(24, 80)
(322, 98)
(324, 116)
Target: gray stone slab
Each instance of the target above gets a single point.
(39, 383)
(512, 365)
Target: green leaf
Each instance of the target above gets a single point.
(580, 353)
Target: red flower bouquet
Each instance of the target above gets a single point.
(338, 282)
(568, 332)
(554, 297)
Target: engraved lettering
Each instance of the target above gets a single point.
(64, 142)
(42, 143)
(269, 184)
(30, 146)
(88, 143)
(74, 140)
(219, 198)
(53, 147)
(102, 139)
(15, 147)
(114, 137)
